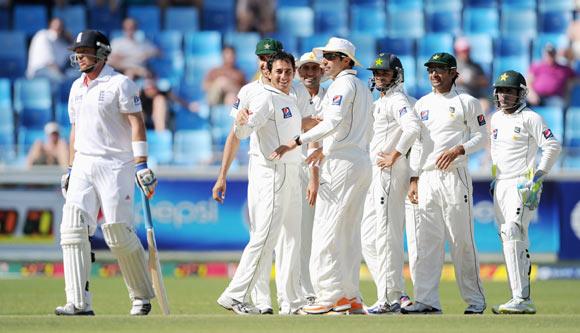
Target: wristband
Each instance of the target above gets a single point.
(139, 148)
(297, 140)
(141, 166)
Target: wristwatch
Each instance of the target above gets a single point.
(297, 140)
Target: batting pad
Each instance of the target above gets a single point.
(518, 265)
(76, 253)
(129, 252)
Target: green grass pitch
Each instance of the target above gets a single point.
(27, 305)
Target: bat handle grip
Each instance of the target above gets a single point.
(146, 211)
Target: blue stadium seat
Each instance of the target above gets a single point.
(480, 3)
(295, 21)
(182, 19)
(219, 15)
(30, 18)
(443, 5)
(5, 94)
(317, 40)
(74, 17)
(575, 96)
(7, 144)
(187, 120)
(481, 21)
(289, 42)
(559, 41)
(202, 43)
(366, 49)
(368, 2)
(549, 5)
(33, 102)
(185, 140)
(243, 42)
(519, 22)
(426, 47)
(405, 23)
(221, 123)
(103, 19)
(482, 51)
(368, 19)
(160, 146)
(554, 21)
(397, 46)
(331, 17)
(13, 54)
(410, 70)
(27, 137)
(554, 118)
(196, 68)
(405, 4)
(5, 17)
(169, 68)
(291, 3)
(510, 46)
(516, 63)
(148, 18)
(169, 42)
(518, 4)
(443, 21)
(572, 137)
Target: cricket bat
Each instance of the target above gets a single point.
(154, 265)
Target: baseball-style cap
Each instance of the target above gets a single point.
(51, 127)
(442, 58)
(338, 45)
(268, 46)
(90, 38)
(308, 57)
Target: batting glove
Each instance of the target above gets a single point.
(64, 179)
(530, 191)
(492, 187)
(145, 179)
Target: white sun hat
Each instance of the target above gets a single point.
(308, 57)
(338, 45)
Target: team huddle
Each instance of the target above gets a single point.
(369, 171)
(333, 177)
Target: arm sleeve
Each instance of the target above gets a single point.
(338, 102)
(551, 148)
(476, 123)
(261, 111)
(129, 100)
(416, 159)
(409, 123)
(240, 103)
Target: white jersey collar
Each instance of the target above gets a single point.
(104, 75)
(346, 72)
(272, 89)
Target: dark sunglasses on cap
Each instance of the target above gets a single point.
(333, 55)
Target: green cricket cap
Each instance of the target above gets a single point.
(268, 46)
(444, 59)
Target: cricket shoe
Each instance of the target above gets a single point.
(245, 309)
(70, 309)
(226, 302)
(341, 305)
(420, 308)
(384, 308)
(474, 309)
(516, 306)
(266, 310)
(297, 312)
(405, 301)
(141, 307)
(310, 300)
(356, 307)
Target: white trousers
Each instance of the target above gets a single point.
(336, 245)
(446, 206)
(411, 221)
(383, 230)
(306, 239)
(513, 220)
(274, 207)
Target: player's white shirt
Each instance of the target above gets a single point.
(515, 140)
(98, 112)
(341, 127)
(275, 120)
(449, 120)
(396, 125)
(312, 104)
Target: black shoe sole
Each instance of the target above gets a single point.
(84, 313)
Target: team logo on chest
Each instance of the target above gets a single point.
(101, 96)
(481, 120)
(425, 115)
(337, 100)
(286, 112)
(517, 129)
(494, 133)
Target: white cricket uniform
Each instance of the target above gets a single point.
(515, 141)
(313, 108)
(396, 127)
(345, 132)
(446, 196)
(273, 199)
(102, 177)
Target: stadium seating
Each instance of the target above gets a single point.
(5, 19)
(331, 17)
(291, 3)
(289, 42)
(181, 19)
(443, 21)
(554, 21)
(26, 137)
(481, 21)
(368, 19)
(518, 4)
(13, 54)
(202, 43)
(160, 145)
(171, 68)
(572, 139)
(30, 18)
(405, 23)
(482, 51)
(33, 102)
(5, 94)
(575, 96)
(295, 21)
(559, 41)
(316, 40)
(554, 118)
(148, 18)
(219, 15)
(103, 19)
(404, 4)
(410, 69)
(549, 5)
(245, 45)
(169, 42)
(187, 120)
(518, 22)
(397, 46)
(74, 17)
(480, 3)
(443, 5)
(192, 147)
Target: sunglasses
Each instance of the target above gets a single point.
(333, 56)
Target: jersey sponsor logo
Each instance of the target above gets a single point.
(548, 133)
(101, 96)
(495, 133)
(451, 109)
(78, 98)
(481, 120)
(402, 111)
(286, 112)
(425, 115)
(517, 129)
(136, 100)
(337, 100)
(237, 103)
